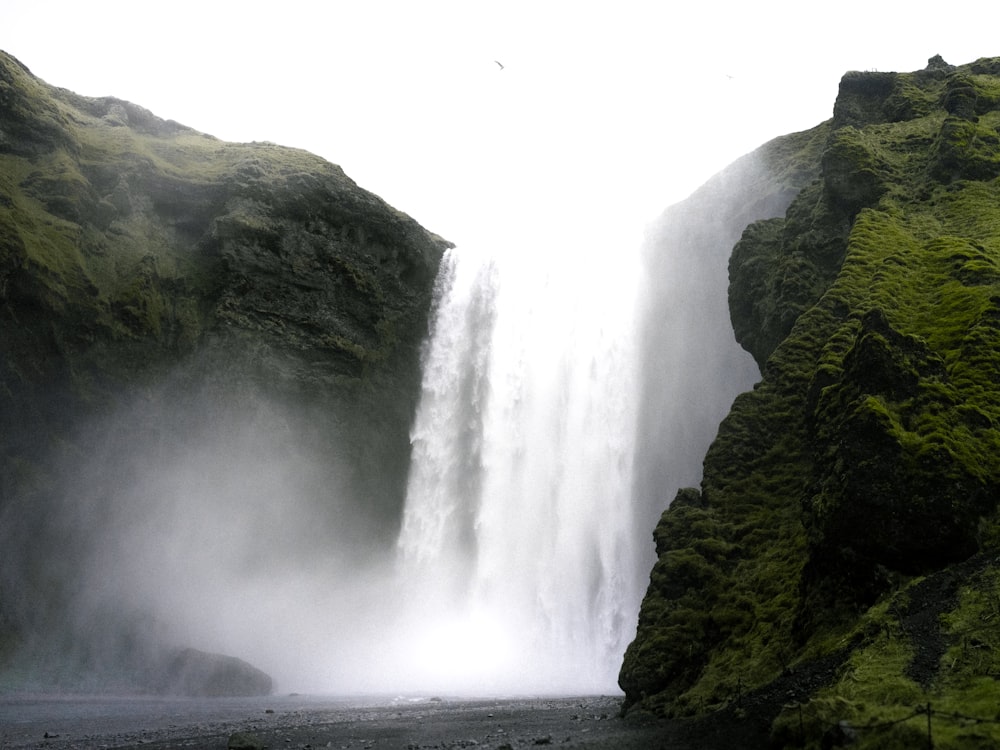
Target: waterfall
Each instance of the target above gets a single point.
(517, 546)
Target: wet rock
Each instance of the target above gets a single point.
(245, 741)
(841, 735)
(261, 272)
(199, 674)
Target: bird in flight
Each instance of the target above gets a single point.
(499, 63)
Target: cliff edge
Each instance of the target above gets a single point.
(835, 576)
(165, 297)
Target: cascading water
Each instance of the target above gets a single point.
(565, 399)
(518, 539)
(564, 404)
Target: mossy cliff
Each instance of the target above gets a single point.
(156, 281)
(837, 571)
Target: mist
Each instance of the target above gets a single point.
(690, 367)
(565, 398)
(212, 518)
(518, 519)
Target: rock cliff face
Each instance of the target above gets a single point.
(159, 287)
(839, 561)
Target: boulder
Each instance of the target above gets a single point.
(245, 741)
(194, 673)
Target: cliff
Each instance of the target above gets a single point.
(161, 290)
(835, 576)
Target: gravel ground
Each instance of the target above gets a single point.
(311, 723)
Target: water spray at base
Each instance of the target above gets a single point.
(517, 555)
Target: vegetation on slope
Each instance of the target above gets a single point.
(847, 513)
(158, 230)
(155, 282)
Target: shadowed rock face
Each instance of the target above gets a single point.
(156, 283)
(866, 459)
(198, 674)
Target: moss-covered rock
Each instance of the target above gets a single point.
(158, 278)
(197, 674)
(862, 472)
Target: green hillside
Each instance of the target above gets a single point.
(836, 573)
(162, 293)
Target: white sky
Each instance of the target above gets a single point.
(605, 112)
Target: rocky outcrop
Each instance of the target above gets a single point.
(158, 285)
(197, 674)
(864, 466)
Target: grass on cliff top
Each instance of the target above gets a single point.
(79, 265)
(82, 248)
(117, 215)
(51, 244)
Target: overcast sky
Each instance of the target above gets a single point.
(603, 114)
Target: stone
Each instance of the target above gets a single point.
(195, 673)
(245, 741)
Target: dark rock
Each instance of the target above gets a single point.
(245, 741)
(938, 63)
(880, 502)
(853, 174)
(199, 674)
(843, 495)
(862, 98)
(840, 735)
(147, 270)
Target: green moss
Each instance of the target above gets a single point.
(885, 708)
(854, 171)
(870, 451)
(968, 149)
(145, 266)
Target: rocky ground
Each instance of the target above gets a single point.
(305, 723)
(302, 722)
